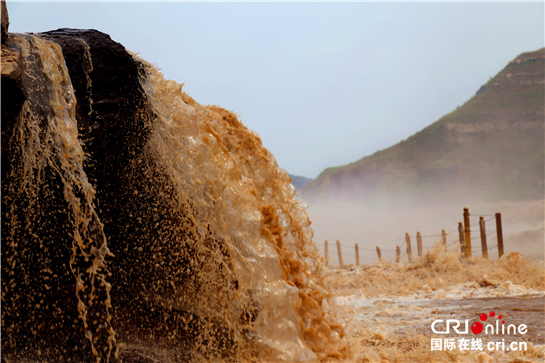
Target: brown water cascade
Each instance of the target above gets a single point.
(138, 224)
(53, 244)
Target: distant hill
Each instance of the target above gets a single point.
(299, 182)
(491, 148)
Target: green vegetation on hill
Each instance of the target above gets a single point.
(491, 148)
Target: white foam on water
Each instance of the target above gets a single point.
(388, 309)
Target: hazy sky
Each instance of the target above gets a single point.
(323, 84)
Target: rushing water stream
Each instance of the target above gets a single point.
(206, 232)
(48, 164)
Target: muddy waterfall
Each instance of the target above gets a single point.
(137, 222)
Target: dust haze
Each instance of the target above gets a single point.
(384, 221)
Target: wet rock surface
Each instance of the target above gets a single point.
(114, 121)
(5, 22)
(112, 112)
(12, 97)
(40, 305)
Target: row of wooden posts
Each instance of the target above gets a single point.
(464, 232)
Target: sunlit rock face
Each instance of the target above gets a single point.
(136, 222)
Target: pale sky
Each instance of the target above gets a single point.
(323, 84)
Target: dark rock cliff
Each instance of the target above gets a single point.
(5, 22)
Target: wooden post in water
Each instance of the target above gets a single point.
(462, 241)
(499, 233)
(326, 253)
(340, 254)
(444, 237)
(378, 253)
(483, 237)
(398, 254)
(467, 230)
(419, 243)
(409, 251)
(357, 255)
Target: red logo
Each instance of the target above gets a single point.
(477, 327)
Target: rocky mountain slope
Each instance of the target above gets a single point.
(299, 182)
(491, 149)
